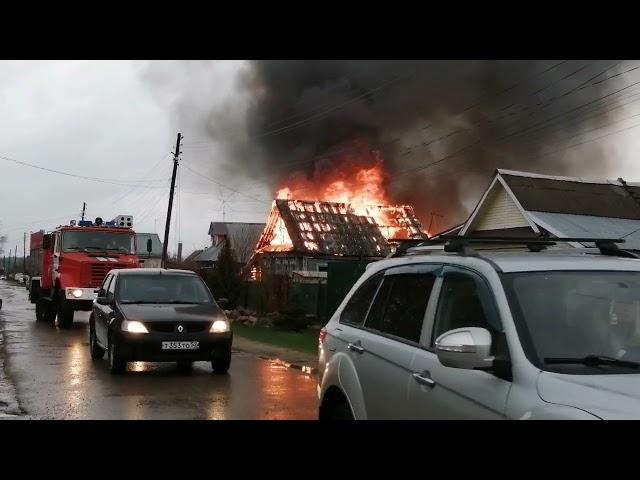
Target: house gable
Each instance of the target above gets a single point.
(498, 209)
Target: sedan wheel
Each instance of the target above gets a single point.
(116, 363)
(97, 351)
(185, 366)
(221, 364)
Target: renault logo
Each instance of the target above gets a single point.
(180, 329)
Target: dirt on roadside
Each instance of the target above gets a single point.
(293, 357)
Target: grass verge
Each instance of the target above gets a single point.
(306, 341)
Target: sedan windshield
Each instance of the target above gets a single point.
(578, 322)
(185, 289)
(94, 241)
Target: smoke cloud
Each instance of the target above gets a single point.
(442, 127)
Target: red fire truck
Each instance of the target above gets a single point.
(69, 264)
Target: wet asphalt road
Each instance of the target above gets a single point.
(52, 376)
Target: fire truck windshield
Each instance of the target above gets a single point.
(93, 241)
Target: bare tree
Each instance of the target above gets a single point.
(244, 242)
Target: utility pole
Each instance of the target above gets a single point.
(15, 261)
(84, 209)
(24, 254)
(176, 155)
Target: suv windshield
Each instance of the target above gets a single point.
(584, 322)
(93, 241)
(162, 289)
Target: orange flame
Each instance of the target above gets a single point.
(358, 181)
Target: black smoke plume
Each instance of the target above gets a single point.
(442, 127)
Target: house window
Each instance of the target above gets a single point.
(321, 267)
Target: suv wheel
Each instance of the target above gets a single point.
(97, 351)
(117, 364)
(339, 410)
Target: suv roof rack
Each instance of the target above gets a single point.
(406, 243)
(463, 245)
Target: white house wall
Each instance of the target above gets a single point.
(498, 212)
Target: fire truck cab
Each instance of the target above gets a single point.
(71, 262)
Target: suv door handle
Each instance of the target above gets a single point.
(424, 378)
(355, 348)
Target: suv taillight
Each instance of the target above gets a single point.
(323, 334)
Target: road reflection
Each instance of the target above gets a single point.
(283, 387)
(56, 378)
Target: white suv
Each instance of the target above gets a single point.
(487, 335)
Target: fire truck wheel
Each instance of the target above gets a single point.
(65, 313)
(45, 312)
(97, 351)
(40, 311)
(49, 310)
(117, 364)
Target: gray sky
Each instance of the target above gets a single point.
(110, 120)
(101, 119)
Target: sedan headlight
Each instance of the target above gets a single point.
(219, 326)
(133, 327)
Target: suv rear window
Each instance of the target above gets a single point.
(357, 307)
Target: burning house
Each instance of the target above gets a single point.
(302, 236)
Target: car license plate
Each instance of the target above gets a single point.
(180, 345)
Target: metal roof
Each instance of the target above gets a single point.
(572, 196)
(209, 254)
(568, 225)
(244, 238)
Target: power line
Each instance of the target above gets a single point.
(69, 174)
(590, 140)
(540, 90)
(480, 142)
(142, 194)
(224, 186)
(521, 110)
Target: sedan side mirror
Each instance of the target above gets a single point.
(103, 300)
(223, 302)
(468, 348)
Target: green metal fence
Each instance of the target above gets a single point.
(279, 294)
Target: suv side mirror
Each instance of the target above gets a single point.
(103, 300)
(468, 348)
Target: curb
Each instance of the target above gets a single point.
(303, 368)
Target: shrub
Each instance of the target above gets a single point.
(293, 319)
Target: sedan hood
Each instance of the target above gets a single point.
(610, 397)
(170, 312)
